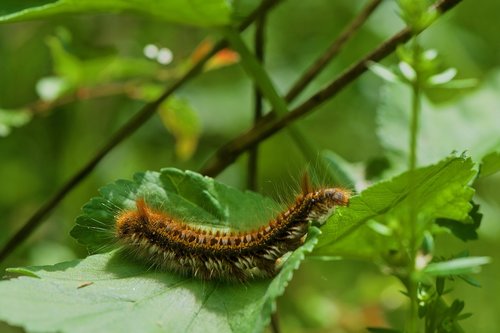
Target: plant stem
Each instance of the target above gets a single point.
(412, 165)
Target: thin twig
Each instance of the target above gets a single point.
(271, 124)
(332, 51)
(130, 127)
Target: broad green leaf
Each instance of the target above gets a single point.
(469, 124)
(441, 192)
(490, 164)
(13, 118)
(193, 12)
(182, 121)
(457, 266)
(187, 195)
(110, 293)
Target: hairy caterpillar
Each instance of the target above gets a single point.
(174, 245)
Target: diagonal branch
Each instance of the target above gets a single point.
(332, 51)
(271, 124)
(124, 132)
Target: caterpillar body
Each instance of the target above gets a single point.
(171, 244)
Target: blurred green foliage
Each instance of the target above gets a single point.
(38, 155)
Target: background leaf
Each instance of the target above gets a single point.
(182, 121)
(195, 12)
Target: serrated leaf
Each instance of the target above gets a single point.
(194, 12)
(182, 121)
(441, 191)
(457, 266)
(110, 293)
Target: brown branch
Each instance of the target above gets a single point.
(271, 124)
(332, 51)
(124, 132)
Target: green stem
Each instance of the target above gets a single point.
(412, 165)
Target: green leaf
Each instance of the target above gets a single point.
(194, 12)
(457, 266)
(443, 77)
(51, 88)
(468, 124)
(188, 195)
(442, 192)
(383, 72)
(114, 294)
(13, 118)
(464, 230)
(490, 164)
(182, 121)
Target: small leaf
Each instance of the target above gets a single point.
(407, 71)
(383, 72)
(490, 164)
(52, 87)
(464, 230)
(457, 266)
(182, 121)
(460, 84)
(443, 77)
(13, 118)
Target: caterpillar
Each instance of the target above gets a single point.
(173, 245)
